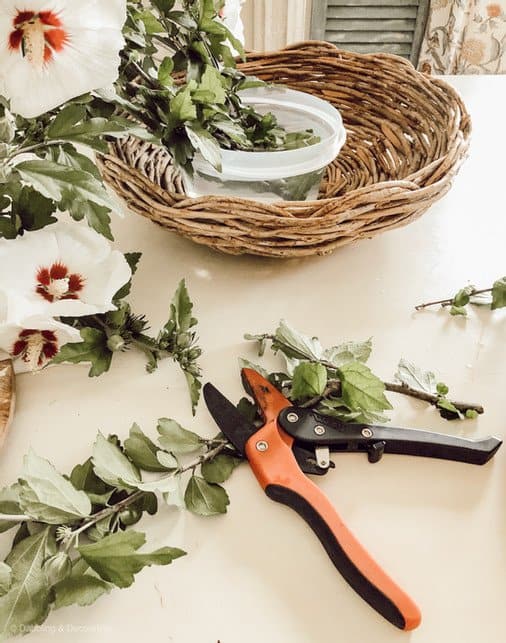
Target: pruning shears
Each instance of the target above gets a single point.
(295, 441)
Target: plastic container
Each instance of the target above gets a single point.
(288, 175)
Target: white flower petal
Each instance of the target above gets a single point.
(87, 60)
(11, 334)
(85, 255)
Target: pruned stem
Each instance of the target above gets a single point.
(431, 398)
(449, 302)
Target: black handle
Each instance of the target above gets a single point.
(348, 556)
(311, 428)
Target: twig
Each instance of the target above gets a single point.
(449, 302)
(431, 398)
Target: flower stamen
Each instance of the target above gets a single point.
(38, 36)
(35, 347)
(57, 283)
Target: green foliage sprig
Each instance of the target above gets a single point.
(179, 78)
(73, 543)
(56, 176)
(120, 330)
(337, 382)
(492, 298)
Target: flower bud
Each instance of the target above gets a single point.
(115, 343)
(57, 568)
(7, 128)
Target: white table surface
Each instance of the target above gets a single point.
(258, 574)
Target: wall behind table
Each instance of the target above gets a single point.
(272, 24)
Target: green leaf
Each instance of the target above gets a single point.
(142, 451)
(166, 460)
(462, 298)
(57, 568)
(97, 216)
(361, 389)
(181, 308)
(194, 387)
(52, 179)
(441, 388)
(112, 466)
(309, 379)
(458, 310)
(206, 144)
(205, 499)
(9, 504)
(449, 410)
(294, 344)
(165, 71)
(34, 210)
(83, 477)
(80, 588)
(499, 294)
(411, 375)
(115, 558)
(471, 414)
(182, 108)
(175, 439)
(349, 352)
(219, 468)
(47, 496)
(92, 349)
(5, 578)
(27, 601)
(65, 120)
(212, 81)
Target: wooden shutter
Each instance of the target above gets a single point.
(370, 26)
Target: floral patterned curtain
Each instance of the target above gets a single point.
(465, 37)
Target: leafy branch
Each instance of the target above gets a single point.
(73, 543)
(338, 382)
(104, 335)
(493, 298)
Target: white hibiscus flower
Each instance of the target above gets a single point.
(63, 270)
(54, 50)
(30, 340)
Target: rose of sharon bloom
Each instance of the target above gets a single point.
(30, 340)
(63, 270)
(54, 50)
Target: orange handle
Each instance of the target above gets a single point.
(271, 458)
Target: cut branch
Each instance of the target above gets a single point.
(449, 302)
(431, 398)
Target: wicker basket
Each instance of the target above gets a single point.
(407, 136)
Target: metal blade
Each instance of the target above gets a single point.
(232, 423)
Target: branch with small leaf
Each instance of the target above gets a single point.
(492, 298)
(73, 543)
(337, 382)
(104, 335)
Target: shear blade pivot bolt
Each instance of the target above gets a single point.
(292, 417)
(319, 429)
(367, 433)
(262, 445)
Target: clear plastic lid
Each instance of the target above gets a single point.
(295, 111)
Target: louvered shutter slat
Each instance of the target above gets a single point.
(368, 26)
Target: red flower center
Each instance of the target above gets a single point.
(37, 35)
(57, 282)
(35, 346)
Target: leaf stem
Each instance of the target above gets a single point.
(449, 302)
(14, 517)
(431, 398)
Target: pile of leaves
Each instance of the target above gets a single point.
(337, 381)
(73, 541)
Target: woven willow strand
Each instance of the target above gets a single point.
(407, 136)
